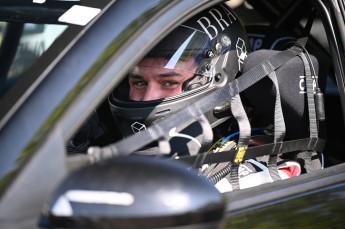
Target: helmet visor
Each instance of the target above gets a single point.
(182, 44)
(167, 68)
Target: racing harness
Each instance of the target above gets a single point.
(196, 112)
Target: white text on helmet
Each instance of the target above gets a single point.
(221, 21)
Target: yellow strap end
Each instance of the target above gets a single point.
(240, 154)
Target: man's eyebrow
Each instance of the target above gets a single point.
(169, 74)
(165, 74)
(135, 76)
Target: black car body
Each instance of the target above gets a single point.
(63, 80)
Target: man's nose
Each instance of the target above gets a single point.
(152, 92)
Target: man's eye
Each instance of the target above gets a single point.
(140, 84)
(170, 84)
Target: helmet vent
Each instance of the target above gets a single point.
(163, 112)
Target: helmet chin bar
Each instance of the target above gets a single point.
(141, 115)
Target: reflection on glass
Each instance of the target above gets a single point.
(35, 40)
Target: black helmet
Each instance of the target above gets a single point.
(217, 42)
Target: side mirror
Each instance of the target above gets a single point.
(136, 192)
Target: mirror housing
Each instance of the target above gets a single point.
(136, 192)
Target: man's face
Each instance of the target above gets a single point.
(150, 80)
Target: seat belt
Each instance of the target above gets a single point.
(312, 144)
(279, 129)
(241, 117)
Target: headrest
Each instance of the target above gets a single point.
(291, 80)
(266, 37)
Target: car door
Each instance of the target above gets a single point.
(66, 85)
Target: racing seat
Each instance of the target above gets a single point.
(265, 42)
(285, 99)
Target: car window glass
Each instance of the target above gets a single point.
(32, 36)
(34, 41)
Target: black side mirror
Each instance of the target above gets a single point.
(136, 192)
